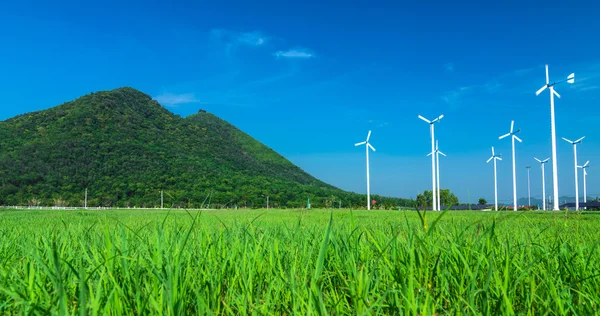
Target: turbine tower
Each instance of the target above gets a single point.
(432, 130)
(367, 146)
(495, 157)
(437, 159)
(585, 166)
(574, 143)
(570, 79)
(543, 162)
(513, 137)
(528, 187)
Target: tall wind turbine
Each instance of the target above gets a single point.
(495, 157)
(570, 79)
(431, 123)
(367, 146)
(543, 162)
(528, 187)
(437, 159)
(574, 143)
(513, 135)
(585, 166)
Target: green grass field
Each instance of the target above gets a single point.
(297, 262)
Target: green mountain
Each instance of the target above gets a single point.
(125, 147)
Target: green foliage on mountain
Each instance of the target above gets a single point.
(125, 147)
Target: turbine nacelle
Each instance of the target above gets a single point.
(570, 79)
(437, 119)
(366, 142)
(512, 132)
(542, 161)
(494, 156)
(574, 142)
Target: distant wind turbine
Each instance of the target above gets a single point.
(585, 166)
(543, 162)
(432, 130)
(570, 79)
(495, 157)
(528, 187)
(437, 159)
(514, 136)
(367, 146)
(574, 143)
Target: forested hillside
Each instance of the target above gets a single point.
(125, 148)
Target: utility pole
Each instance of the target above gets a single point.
(85, 199)
(267, 202)
(161, 199)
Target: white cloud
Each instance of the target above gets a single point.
(299, 53)
(174, 100)
(254, 38)
(449, 67)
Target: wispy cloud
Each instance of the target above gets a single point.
(449, 67)
(298, 53)
(587, 88)
(254, 38)
(174, 100)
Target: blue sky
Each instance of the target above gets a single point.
(309, 79)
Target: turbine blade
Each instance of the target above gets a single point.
(537, 160)
(490, 159)
(361, 143)
(437, 144)
(368, 135)
(586, 163)
(567, 140)
(505, 135)
(545, 160)
(547, 76)
(579, 140)
(541, 90)
(517, 138)
(441, 153)
(424, 119)
(555, 93)
(440, 117)
(372, 148)
(571, 78)
(512, 125)
(498, 158)
(493, 154)
(429, 154)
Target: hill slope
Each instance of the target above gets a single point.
(124, 147)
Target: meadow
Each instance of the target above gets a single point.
(283, 262)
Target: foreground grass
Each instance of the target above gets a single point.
(297, 262)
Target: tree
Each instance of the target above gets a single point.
(482, 201)
(447, 198)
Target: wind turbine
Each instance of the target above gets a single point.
(437, 159)
(570, 79)
(367, 146)
(495, 157)
(514, 136)
(528, 187)
(431, 123)
(585, 166)
(543, 162)
(574, 143)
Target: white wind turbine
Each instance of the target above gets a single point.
(495, 157)
(585, 166)
(574, 143)
(570, 79)
(437, 159)
(528, 187)
(431, 123)
(543, 162)
(514, 136)
(367, 146)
